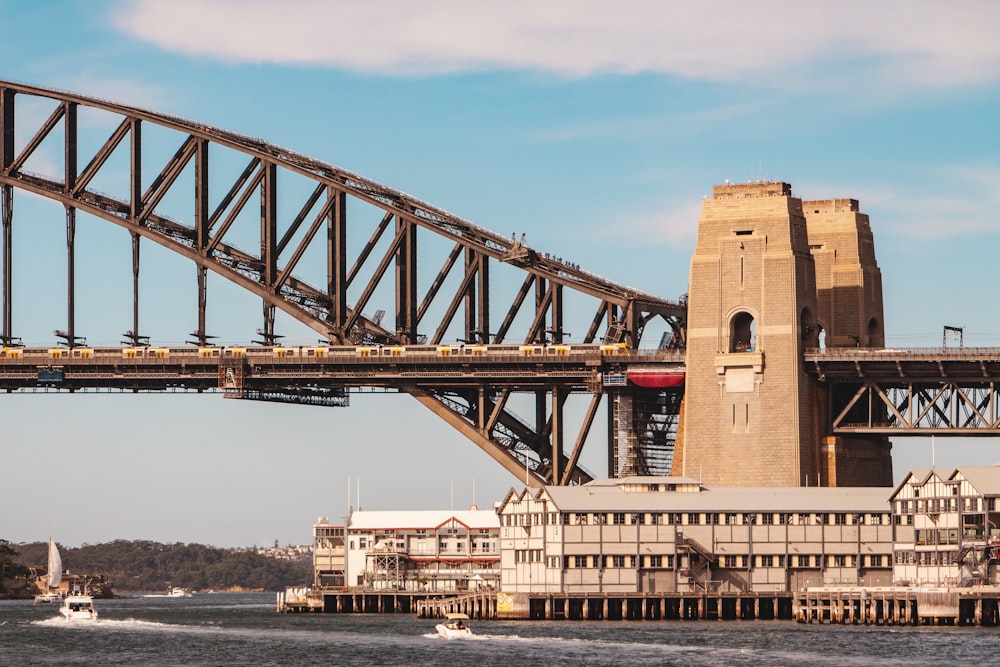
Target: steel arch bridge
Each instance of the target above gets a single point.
(311, 220)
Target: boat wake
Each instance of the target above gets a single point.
(59, 621)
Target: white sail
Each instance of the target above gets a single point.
(55, 565)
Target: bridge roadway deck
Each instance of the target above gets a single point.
(160, 369)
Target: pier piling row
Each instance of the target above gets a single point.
(864, 606)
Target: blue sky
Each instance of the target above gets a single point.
(596, 128)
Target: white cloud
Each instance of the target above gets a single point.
(910, 42)
(934, 203)
(677, 227)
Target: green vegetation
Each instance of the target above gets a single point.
(141, 565)
(10, 568)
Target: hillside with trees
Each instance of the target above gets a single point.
(141, 565)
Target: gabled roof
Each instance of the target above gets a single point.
(985, 479)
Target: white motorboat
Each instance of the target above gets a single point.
(78, 608)
(455, 625)
(177, 592)
(51, 596)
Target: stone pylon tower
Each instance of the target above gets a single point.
(752, 416)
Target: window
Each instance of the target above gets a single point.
(600, 518)
(741, 333)
(730, 561)
(840, 519)
(579, 561)
(655, 518)
(656, 561)
(619, 518)
(618, 561)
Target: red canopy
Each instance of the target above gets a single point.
(657, 379)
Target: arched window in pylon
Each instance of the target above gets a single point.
(809, 328)
(742, 333)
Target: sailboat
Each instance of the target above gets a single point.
(54, 576)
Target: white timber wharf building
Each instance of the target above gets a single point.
(948, 527)
(671, 534)
(423, 551)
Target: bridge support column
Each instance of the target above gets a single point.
(7, 214)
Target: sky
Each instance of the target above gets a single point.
(595, 127)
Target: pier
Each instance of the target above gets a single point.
(835, 606)
(899, 606)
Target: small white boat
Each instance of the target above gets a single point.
(177, 592)
(455, 625)
(78, 608)
(51, 596)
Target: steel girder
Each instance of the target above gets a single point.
(944, 408)
(321, 220)
(916, 392)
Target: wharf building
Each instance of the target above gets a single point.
(671, 534)
(420, 551)
(948, 527)
(660, 538)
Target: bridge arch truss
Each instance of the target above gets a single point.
(328, 247)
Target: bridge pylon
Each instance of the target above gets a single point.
(771, 277)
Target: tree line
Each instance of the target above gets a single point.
(143, 565)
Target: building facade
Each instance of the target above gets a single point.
(432, 550)
(329, 555)
(772, 276)
(948, 531)
(656, 534)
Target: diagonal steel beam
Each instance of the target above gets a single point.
(37, 139)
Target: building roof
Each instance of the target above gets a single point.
(421, 519)
(643, 479)
(986, 479)
(610, 498)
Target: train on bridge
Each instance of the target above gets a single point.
(270, 352)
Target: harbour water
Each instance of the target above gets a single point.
(243, 628)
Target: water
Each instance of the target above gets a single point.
(244, 629)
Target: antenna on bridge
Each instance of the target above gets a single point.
(956, 332)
